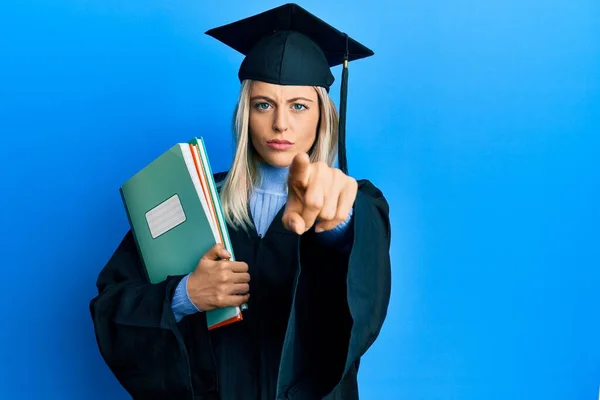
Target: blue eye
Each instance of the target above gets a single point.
(299, 107)
(262, 106)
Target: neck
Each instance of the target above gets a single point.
(272, 178)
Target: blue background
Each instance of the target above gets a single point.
(480, 121)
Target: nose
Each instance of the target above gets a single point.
(280, 122)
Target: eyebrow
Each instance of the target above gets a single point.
(273, 101)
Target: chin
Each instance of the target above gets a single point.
(278, 159)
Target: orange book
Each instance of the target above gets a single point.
(199, 153)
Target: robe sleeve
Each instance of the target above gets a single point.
(340, 236)
(339, 306)
(136, 331)
(182, 305)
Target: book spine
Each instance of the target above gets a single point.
(216, 198)
(199, 142)
(144, 271)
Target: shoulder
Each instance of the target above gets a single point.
(368, 193)
(219, 178)
(367, 187)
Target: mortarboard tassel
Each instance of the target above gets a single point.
(342, 123)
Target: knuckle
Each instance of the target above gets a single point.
(328, 214)
(223, 276)
(341, 215)
(320, 168)
(314, 203)
(339, 218)
(224, 266)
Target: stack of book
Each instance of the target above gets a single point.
(175, 215)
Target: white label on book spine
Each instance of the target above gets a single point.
(165, 216)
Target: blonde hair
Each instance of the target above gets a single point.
(243, 174)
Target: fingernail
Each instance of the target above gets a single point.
(319, 229)
(292, 226)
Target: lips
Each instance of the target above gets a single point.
(279, 144)
(279, 141)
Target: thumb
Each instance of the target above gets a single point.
(299, 170)
(217, 252)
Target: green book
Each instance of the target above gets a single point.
(175, 215)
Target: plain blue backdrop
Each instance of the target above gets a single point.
(479, 120)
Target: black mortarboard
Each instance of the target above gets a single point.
(288, 45)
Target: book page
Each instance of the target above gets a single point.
(205, 188)
(220, 218)
(189, 162)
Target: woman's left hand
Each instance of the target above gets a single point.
(317, 191)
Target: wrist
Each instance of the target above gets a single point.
(190, 280)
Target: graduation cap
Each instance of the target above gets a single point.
(287, 45)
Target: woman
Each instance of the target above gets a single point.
(312, 246)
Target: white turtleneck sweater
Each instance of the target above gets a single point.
(266, 199)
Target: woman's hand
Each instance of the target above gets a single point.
(217, 282)
(317, 191)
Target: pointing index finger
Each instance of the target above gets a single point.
(300, 170)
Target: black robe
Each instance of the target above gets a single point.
(313, 312)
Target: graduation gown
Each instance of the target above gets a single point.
(313, 312)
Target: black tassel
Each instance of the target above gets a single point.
(342, 123)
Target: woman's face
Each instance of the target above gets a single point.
(283, 121)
